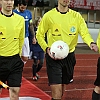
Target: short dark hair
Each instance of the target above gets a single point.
(23, 2)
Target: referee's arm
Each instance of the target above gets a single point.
(21, 37)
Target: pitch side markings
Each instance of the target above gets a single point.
(86, 59)
(85, 66)
(75, 66)
(74, 90)
(79, 89)
(73, 76)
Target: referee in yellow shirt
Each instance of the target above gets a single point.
(64, 24)
(12, 33)
(96, 91)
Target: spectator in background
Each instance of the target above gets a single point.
(37, 53)
(21, 10)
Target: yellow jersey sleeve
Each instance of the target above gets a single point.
(42, 29)
(98, 41)
(84, 32)
(21, 36)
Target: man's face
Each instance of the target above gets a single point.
(64, 3)
(7, 5)
(22, 7)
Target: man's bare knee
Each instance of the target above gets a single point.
(14, 93)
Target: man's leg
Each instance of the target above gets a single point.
(14, 93)
(56, 91)
(96, 91)
(0, 91)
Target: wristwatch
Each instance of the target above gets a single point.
(46, 49)
(93, 43)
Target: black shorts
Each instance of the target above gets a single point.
(11, 70)
(97, 81)
(60, 71)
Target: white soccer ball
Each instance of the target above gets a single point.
(59, 49)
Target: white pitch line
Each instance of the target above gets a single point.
(73, 76)
(74, 90)
(86, 59)
(31, 67)
(75, 66)
(84, 75)
(31, 77)
(79, 89)
(85, 66)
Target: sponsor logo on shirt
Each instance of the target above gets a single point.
(56, 30)
(72, 29)
(1, 33)
(26, 18)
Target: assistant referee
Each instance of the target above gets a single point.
(12, 33)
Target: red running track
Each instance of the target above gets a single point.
(84, 77)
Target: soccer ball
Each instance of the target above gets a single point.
(59, 49)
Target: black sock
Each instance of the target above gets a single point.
(55, 99)
(39, 67)
(95, 96)
(34, 69)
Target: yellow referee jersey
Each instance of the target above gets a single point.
(12, 33)
(64, 27)
(98, 41)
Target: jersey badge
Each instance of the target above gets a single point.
(72, 29)
(56, 30)
(26, 18)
